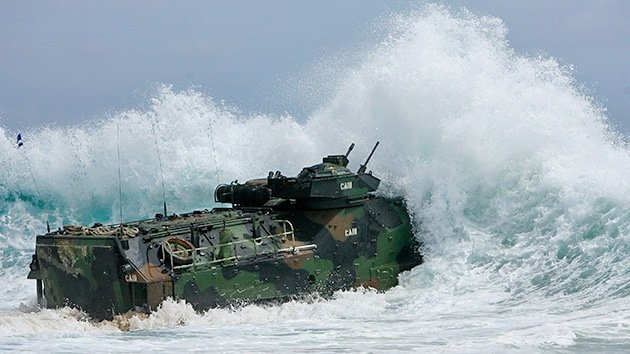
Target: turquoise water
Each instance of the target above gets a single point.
(518, 188)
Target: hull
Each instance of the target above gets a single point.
(224, 257)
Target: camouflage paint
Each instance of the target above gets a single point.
(341, 236)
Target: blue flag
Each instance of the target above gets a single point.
(19, 142)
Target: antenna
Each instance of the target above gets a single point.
(20, 144)
(30, 169)
(214, 154)
(119, 179)
(364, 166)
(161, 170)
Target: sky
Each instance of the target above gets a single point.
(64, 63)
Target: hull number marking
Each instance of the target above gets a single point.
(351, 232)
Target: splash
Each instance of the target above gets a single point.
(517, 185)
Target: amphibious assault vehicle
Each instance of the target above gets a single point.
(284, 237)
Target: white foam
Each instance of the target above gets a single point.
(518, 189)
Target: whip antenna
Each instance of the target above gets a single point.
(119, 179)
(214, 153)
(30, 169)
(19, 144)
(161, 170)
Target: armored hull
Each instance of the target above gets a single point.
(319, 232)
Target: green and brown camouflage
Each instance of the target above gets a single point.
(322, 231)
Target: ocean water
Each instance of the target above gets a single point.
(519, 191)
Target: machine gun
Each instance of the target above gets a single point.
(364, 166)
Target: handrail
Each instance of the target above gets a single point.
(287, 231)
(182, 229)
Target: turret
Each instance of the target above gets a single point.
(329, 184)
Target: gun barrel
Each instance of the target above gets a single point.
(349, 149)
(364, 166)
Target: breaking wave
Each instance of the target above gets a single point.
(518, 189)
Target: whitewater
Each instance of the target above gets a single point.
(518, 188)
